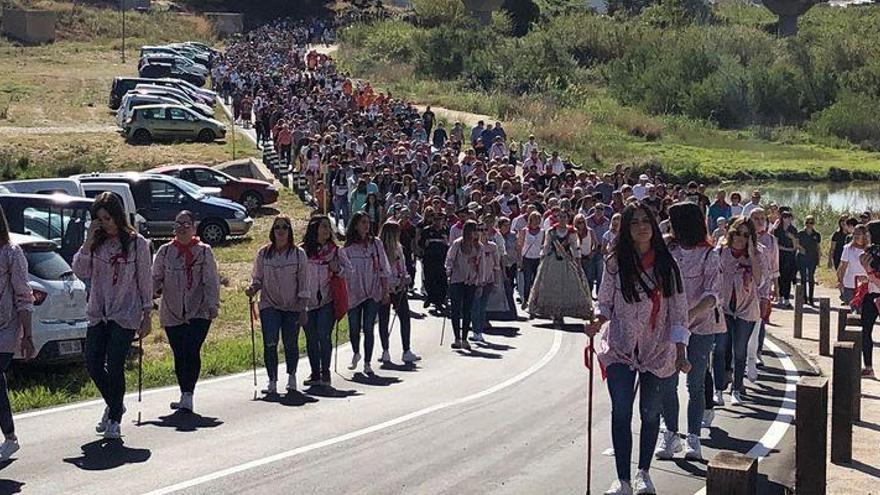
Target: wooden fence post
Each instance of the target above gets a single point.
(799, 311)
(841, 403)
(824, 326)
(811, 436)
(855, 336)
(731, 473)
(842, 315)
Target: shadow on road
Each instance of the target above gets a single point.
(567, 328)
(10, 486)
(375, 380)
(184, 421)
(104, 454)
(475, 353)
(290, 399)
(509, 332)
(493, 347)
(330, 392)
(406, 367)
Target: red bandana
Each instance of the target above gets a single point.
(648, 264)
(185, 251)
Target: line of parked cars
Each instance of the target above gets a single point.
(166, 100)
(50, 219)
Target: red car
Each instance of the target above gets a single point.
(251, 193)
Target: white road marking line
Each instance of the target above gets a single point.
(551, 353)
(785, 414)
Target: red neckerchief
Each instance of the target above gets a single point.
(647, 263)
(747, 275)
(115, 261)
(185, 251)
(534, 231)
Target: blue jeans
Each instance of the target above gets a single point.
(530, 271)
(274, 321)
(621, 387)
(341, 210)
(698, 352)
(363, 316)
(594, 272)
(318, 343)
(737, 337)
(478, 310)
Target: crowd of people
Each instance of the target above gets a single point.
(670, 281)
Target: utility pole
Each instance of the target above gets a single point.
(122, 8)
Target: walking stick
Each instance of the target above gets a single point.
(140, 377)
(590, 419)
(443, 329)
(253, 343)
(336, 350)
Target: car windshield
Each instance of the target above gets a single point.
(190, 188)
(47, 265)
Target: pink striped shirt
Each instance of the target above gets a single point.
(319, 276)
(463, 267)
(701, 276)
(15, 296)
(370, 272)
(186, 293)
(282, 279)
(736, 278)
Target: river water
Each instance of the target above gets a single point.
(839, 197)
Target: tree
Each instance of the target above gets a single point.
(523, 13)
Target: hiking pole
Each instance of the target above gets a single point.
(590, 418)
(140, 377)
(336, 350)
(443, 329)
(253, 342)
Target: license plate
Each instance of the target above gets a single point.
(68, 347)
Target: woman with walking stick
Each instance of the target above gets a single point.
(16, 306)
(367, 285)
(280, 275)
(698, 262)
(463, 271)
(398, 283)
(326, 260)
(117, 260)
(642, 314)
(185, 278)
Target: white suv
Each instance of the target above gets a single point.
(59, 318)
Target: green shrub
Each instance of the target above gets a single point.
(392, 41)
(853, 117)
(435, 13)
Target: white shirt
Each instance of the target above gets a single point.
(853, 265)
(747, 209)
(608, 240)
(640, 191)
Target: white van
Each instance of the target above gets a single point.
(71, 187)
(123, 192)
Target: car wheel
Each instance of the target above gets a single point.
(141, 136)
(206, 136)
(212, 232)
(251, 200)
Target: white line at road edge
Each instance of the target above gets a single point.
(551, 353)
(785, 414)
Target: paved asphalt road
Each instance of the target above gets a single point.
(508, 418)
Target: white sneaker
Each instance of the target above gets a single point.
(693, 451)
(752, 371)
(386, 357)
(668, 446)
(708, 418)
(291, 382)
(411, 357)
(736, 398)
(643, 485)
(719, 398)
(184, 404)
(619, 487)
(354, 361)
(368, 370)
(114, 431)
(7, 448)
(271, 388)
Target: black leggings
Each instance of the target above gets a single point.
(6, 424)
(869, 317)
(186, 343)
(787, 273)
(107, 346)
(461, 297)
(401, 308)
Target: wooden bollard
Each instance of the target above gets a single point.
(841, 403)
(811, 440)
(731, 473)
(855, 336)
(799, 311)
(842, 315)
(824, 326)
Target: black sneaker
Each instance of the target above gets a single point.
(325, 378)
(314, 379)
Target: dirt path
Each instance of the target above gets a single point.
(72, 129)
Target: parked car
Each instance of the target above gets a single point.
(122, 85)
(249, 192)
(59, 321)
(59, 218)
(185, 99)
(44, 186)
(182, 51)
(158, 70)
(170, 122)
(179, 63)
(123, 192)
(133, 99)
(159, 198)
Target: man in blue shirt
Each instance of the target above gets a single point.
(720, 208)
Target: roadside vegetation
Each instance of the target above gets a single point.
(703, 94)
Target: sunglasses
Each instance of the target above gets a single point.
(183, 225)
(281, 226)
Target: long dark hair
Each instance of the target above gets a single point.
(310, 239)
(688, 224)
(351, 234)
(110, 203)
(4, 228)
(734, 226)
(666, 274)
(468, 232)
(269, 250)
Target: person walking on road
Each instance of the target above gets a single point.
(398, 284)
(16, 307)
(870, 261)
(742, 272)
(700, 272)
(642, 312)
(117, 261)
(280, 276)
(490, 279)
(367, 286)
(463, 272)
(809, 240)
(325, 260)
(186, 281)
(530, 241)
